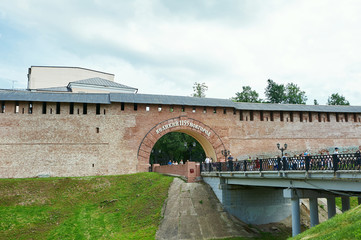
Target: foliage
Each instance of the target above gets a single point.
(247, 95)
(353, 202)
(341, 226)
(279, 93)
(337, 99)
(199, 90)
(274, 92)
(171, 147)
(294, 95)
(109, 207)
(315, 102)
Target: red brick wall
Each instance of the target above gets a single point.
(189, 170)
(69, 145)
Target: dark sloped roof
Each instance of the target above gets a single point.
(295, 107)
(169, 100)
(54, 97)
(102, 82)
(107, 98)
(215, 102)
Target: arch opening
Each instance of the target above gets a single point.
(177, 146)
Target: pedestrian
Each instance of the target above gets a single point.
(257, 163)
(285, 162)
(230, 162)
(207, 164)
(170, 162)
(279, 163)
(250, 163)
(335, 159)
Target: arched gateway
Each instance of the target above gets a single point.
(209, 140)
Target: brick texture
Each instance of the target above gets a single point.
(119, 142)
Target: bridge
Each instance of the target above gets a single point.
(269, 190)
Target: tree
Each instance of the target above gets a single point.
(337, 99)
(274, 92)
(315, 102)
(247, 95)
(294, 95)
(279, 93)
(199, 90)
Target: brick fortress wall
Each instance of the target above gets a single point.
(80, 144)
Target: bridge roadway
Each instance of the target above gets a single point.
(255, 196)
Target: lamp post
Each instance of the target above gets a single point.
(225, 153)
(156, 154)
(190, 148)
(281, 148)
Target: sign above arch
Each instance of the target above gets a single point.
(180, 123)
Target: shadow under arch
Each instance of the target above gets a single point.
(210, 141)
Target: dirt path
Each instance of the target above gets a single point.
(192, 211)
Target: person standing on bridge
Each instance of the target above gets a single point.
(207, 164)
(335, 159)
(279, 163)
(230, 162)
(285, 162)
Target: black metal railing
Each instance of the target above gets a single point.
(332, 162)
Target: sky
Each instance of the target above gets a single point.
(165, 46)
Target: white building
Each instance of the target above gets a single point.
(73, 79)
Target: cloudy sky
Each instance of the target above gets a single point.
(164, 46)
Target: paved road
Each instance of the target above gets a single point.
(192, 211)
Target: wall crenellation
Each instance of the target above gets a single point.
(16, 107)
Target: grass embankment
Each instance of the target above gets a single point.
(353, 202)
(107, 207)
(341, 226)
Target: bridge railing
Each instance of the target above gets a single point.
(332, 162)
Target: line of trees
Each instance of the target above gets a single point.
(275, 93)
(286, 94)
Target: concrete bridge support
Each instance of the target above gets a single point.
(314, 211)
(312, 195)
(296, 219)
(345, 203)
(331, 207)
(254, 205)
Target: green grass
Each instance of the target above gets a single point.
(342, 226)
(108, 207)
(353, 202)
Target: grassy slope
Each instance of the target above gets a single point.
(109, 207)
(342, 226)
